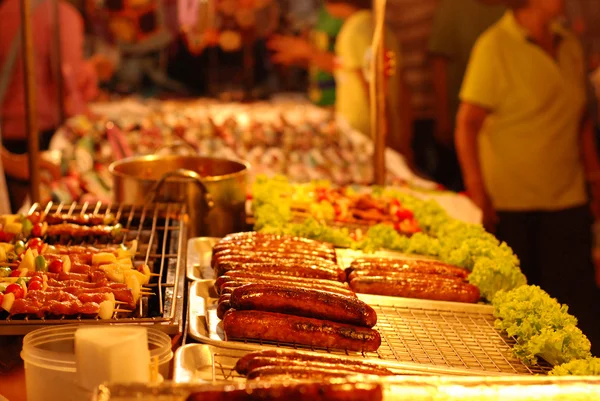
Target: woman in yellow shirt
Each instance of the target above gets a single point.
(348, 64)
(526, 150)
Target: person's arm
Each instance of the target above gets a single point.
(469, 123)
(291, 50)
(72, 37)
(439, 65)
(591, 163)
(17, 166)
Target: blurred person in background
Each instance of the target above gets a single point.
(528, 153)
(321, 89)
(79, 75)
(456, 27)
(348, 63)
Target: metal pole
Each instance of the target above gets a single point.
(57, 60)
(379, 124)
(33, 142)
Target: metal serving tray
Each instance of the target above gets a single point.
(396, 388)
(446, 335)
(199, 253)
(209, 363)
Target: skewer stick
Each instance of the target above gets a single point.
(123, 311)
(378, 96)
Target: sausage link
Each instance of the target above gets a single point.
(222, 308)
(268, 276)
(407, 265)
(277, 327)
(272, 246)
(262, 361)
(297, 269)
(303, 302)
(243, 364)
(226, 281)
(257, 237)
(323, 391)
(416, 285)
(259, 256)
(297, 373)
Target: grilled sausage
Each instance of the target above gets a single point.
(228, 282)
(223, 307)
(406, 265)
(272, 246)
(231, 285)
(263, 361)
(417, 285)
(303, 302)
(297, 373)
(258, 256)
(296, 392)
(269, 326)
(243, 364)
(399, 273)
(297, 269)
(268, 276)
(258, 237)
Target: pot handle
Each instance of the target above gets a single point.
(177, 145)
(185, 174)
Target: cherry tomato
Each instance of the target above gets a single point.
(15, 289)
(36, 279)
(6, 237)
(15, 273)
(37, 229)
(34, 217)
(36, 244)
(403, 214)
(35, 285)
(56, 266)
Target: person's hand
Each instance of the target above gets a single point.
(482, 200)
(51, 164)
(290, 50)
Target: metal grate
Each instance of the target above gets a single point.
(454, 339)
(159, 229)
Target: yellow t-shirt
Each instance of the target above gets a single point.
(529, 146)
(351, 49)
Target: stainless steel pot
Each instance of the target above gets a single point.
(213, 189)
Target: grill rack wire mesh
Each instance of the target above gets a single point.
(159, 229)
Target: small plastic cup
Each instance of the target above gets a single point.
(51, 370)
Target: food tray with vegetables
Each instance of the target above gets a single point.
(92, 263)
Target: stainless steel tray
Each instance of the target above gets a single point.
(442, 334)
(208, 363)
(199, 253)
(397, 388)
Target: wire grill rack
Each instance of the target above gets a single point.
(159, 229)
(447, 338)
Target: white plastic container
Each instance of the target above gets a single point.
(51, 370)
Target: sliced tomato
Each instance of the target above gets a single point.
(404, 214)
(15, 273)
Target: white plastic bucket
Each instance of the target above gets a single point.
(50, 367)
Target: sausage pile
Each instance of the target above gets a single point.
(289, 290)
(411, 279)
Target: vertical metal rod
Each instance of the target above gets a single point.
(57, 60)
(379, 124)
(33, 141)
